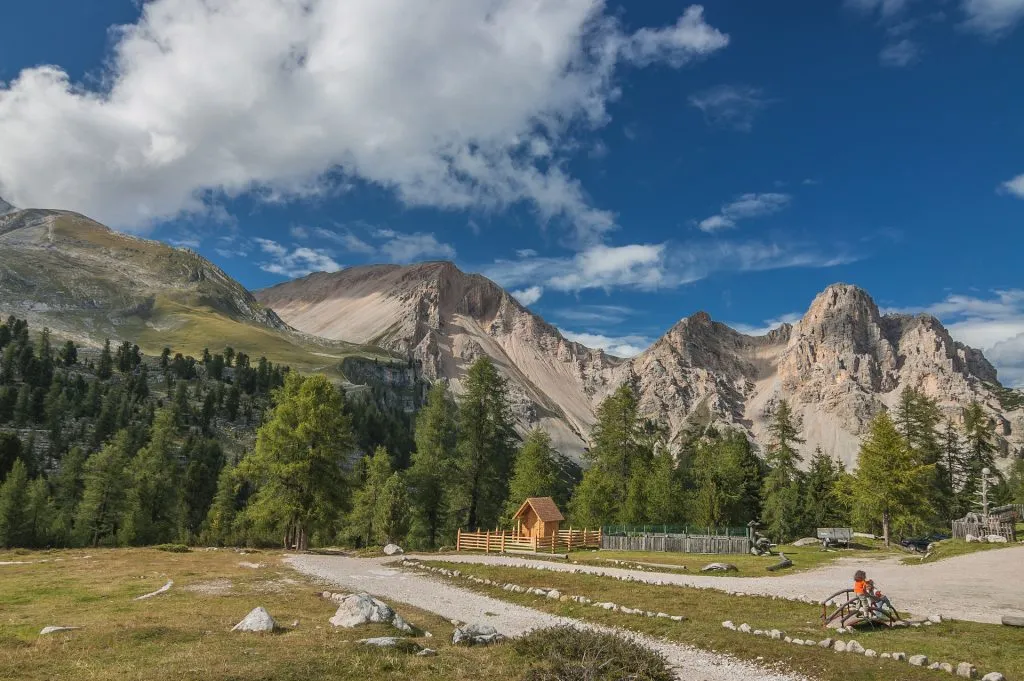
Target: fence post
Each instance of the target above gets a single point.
(458, 540)
(570, 539)
(503, 541)
(487, 542)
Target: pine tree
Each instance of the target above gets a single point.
(39, 513)
(69, 354)
(535, 473)
(105, 368)
(433, 462)
(978, 454)
(781, 491)
(391, 516)
(151, 509)
(954, 466)
(665, 500)
(890, 487)
(14, 530)
(99, 512)
(204, 460)
(821, 504)
(219, 526)
(68, 486)
(485, 449)
(366, 499)
(298, 464)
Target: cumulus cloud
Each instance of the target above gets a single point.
(619, 346)
(294, 262)
(648, 267)
(528, 296)
(994, 324)
(591, 314)
(450, 104)
(900, 54)
(1014, 187)
(743, 208)
(386, 244)
(992, 18)
(405, 248)
(730, 106)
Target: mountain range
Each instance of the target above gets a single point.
(837, 367)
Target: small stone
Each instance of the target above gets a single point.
(935, 619)
(729, 625)
(934, 666)
(899, 657)
(744, 628)
(855, 647)
(775, 634)
(257, 620)
(427, 652)
(839, 646)
(476, 634)
(554, 594)
(993, 676)
(870, 653)
(918, 660)
(797, 641)
(677, 618)
(758, 632)
(885, 656)
(946, 667)
(810, 643)
(787, 640)
(825, 643)
(967, 670)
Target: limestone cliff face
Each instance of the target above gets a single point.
(838, 366)
(445, 318)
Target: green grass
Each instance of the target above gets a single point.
(804, 558)
(185, 633)
(951, 548)
(990, 647)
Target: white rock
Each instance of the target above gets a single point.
(993, 676)
(775, 634)
(946, 667)
(728, 624)
(797, 641)
(251, 566)
(839, 646)
(357, 609)
(966, 670)
(46, 631)
(885, 656)
(381, 641)
(996, 539)
(899, 656)
(555, 594)
(258, 619)
(745, 628)
(855, 647)
(935, 619)
(934, 666)
(825, 643)
(870, 653)
(918, 660)
(476, 634)
(427, 652)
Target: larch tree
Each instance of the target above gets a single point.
(367, 498)
(391, 516)
(979, 453)
(890, 488)
(298, 465)
(99, 513)
(14, 529)
(821, 504)
(433, 462)
(485, 448)
(535, 473)
(781, 491)
(154, 483)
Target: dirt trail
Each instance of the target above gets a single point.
(451, 602)
(980, 587)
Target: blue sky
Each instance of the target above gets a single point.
(619, 166)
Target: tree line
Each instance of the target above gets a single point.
(135, 458)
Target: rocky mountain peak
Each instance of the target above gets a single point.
(5, 207)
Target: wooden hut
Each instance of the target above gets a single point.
(538, 517)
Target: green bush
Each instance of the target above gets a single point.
(570, 654)
(173, 548)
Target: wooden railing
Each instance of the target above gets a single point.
(499, 541)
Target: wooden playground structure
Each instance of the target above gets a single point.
(847, 609)
(500, 541)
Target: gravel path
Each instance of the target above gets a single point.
(980, 587)
(439, 597)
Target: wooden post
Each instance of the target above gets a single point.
(458, 540)
(487, 542)
(503, 541)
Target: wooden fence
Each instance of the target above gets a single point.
(500, 541)
(677, 543)
(962, 528)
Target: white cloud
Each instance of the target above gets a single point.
(594, 314)
(405, 248)
(439, 101)
(992, 18)
(730, 106)
(295, 262)
(885, 8)
(528, 296)
(1014, 186)
(526, 253)
(767, 325)
(619, 346)
(744, 207)
(900, 54)
(649, 267)
(994, 324)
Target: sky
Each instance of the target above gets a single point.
(618, 166)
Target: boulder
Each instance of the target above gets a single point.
(719, 567)
(46, 631)
(807, 541)
(996, 539)
(393, 550)
(918, 660)
(476, 634)
(258, 620)
(358, 609)
(1011, 621)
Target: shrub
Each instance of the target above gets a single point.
(570, 654)
(173, 548)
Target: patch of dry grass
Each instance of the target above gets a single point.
(185, 633)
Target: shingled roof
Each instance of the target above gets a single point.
(544, 507)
